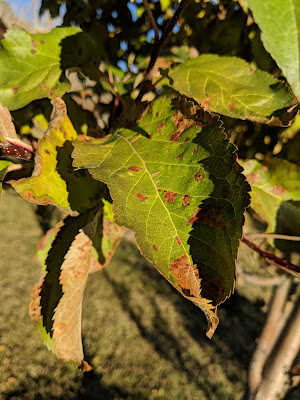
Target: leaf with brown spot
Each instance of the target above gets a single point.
(158, 210)
(30, 68)
(56, 300)
(275, 186)
(54, 180)
(225, 85)
(68, 252)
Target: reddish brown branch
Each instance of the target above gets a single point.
(288, 267)
(158, 46)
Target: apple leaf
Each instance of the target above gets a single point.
(230, 86)
(30, 66)
(175, 182)
(54, 180)
(279, 22)
(275, 186)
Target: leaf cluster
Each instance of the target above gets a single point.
(146, 125)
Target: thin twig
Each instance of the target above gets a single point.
(273, 235)
(270, 256)
(152, 20)
(158, 46)
(120, 98)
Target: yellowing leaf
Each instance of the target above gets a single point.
(274, 185)
(68, 252)
(54, 181)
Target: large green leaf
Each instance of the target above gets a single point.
(275, 190)
(54, 180)
(230, 86)
(279, 21)
(175, 182)
(30, 66)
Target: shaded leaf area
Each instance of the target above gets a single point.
(54, 180)
(83, 52)
(175, 182)
(105, 240)
(279, 22)
(230, 86)
(57, 298)
(30, 66)
(276, 195)
(3, 169)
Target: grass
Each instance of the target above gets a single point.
(143, 339)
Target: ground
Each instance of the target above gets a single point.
(143, 339)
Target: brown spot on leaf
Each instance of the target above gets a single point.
(230, 106)
(155, 247)
(277, 190)
(252, 178)
(34, 43)
(169, 196)
(195, 150)
(169, 149)
(51, 93)
(186, 275)
(187, 139)
(84, 366)
(134, 168)
(199, 176)
(47, 151)
(32, 51)
(186, 200)
(250, 70)
(212, 216)
(178, 240)
(160, 126)
(194, 217)
(179, 156)
(141, 196)
(43, 86)
(205, 104)
(181, 122)
(4, 83)
(42, 42)
(15, 89)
